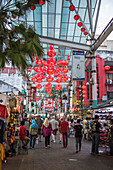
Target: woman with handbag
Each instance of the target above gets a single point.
(47, 128)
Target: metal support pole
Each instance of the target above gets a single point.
(94, 89)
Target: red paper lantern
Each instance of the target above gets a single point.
(63, 62)
(83, 87)
(29, 69)
(45, 63)
(40, 62)
(71, 8)
(51, 61)
(39, 81)
(83, 95)
(68, 57)
(49, 79)
(42, 2)
(59, 80)
(85, 33)
(83, 29)
(37, 98)
(107, 68)
(50, 70)
(51, 47)
(80, 24)
(51, 53)
(59, 100)
(14, 16)
(39, 86)
(58, 87)
(64, 70)
(76, 17)
(32, 7)
(83, 91)
(38, 69)
(49, 85)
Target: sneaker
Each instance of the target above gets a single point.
(24, 147)
(46, 147)
(76, 151)
(60, 142)
(49, 146)
(30, 147)
(54, 141)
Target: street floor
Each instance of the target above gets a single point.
(59, 158)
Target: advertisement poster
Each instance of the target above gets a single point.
(78, 65)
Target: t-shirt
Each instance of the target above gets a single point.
(78, 130)
(22, 132)
(64, 126)
(54, 124)
(39, 123)
(95, 126)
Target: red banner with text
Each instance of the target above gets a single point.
(33, 94)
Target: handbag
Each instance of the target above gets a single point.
(37, 140)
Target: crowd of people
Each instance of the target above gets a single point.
(31, 130)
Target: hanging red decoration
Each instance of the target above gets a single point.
(80, 24)
(50, 70)
(49, 79)
(49, 85)
(14, 16)
(83, 29)
(51, 53)
(51, 47)
(58, 87)
(33, 59)
(85, 33)
(63, 62)
(39, 86)
(107, 68)
(59, 80)
(36, 58)
(38, 69)
(68, 57)
(83, 95)
(51, 61)
(32, 7)
(29, 69)
(37, 99)
(42, 2)
(83, 87)
(40, 62)
(45, 63)
(39, 81)
(76, 17)
(59, 100)
(83, 91)
(71, 8)
(64, 69)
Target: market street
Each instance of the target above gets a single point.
(57, 157)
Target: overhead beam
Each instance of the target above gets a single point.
(108, 29)
(90, 15)
(64, 43)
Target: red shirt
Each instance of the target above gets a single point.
(64, 126)
(22, 132)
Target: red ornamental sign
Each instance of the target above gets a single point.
(33, 94)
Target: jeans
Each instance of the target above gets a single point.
(47, 141)
(32, 138)
(95, 142)
(111, 146)
(65, 139)
(78, 141)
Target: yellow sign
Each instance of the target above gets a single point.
(78, 102)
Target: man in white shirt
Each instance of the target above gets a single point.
(54, 123)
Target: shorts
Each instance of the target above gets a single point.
(54, 131)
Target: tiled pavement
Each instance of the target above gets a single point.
(59, 158)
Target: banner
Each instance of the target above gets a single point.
(33, 94)
(78, 66)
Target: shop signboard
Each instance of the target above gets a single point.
(3, 99)
(33, 94)
(78, 65)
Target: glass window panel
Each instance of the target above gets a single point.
(44, 31)
(38, 28)
(83, 40)
(77, 31)
(75, 2)
(76, 39)
(72, 14)
(71, 29)
(37, 14)
(44, 20)
(51, 32)
(69, 38)
(57, 21)
(58, 6)
(82, 13)
(50, 20)
(66, 3)
(44, 8)
(83, 3)
(29, 15)
(51, 7)
(87, 17)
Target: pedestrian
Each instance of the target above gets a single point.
(54, 124)
(39, 122)
(64, 129)
(47, 128)
(59, 128)
(27, 125)
(78, 135)
(95, 127)
(84, 127)
(22, 135)
(33, 131)
(110, 137)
